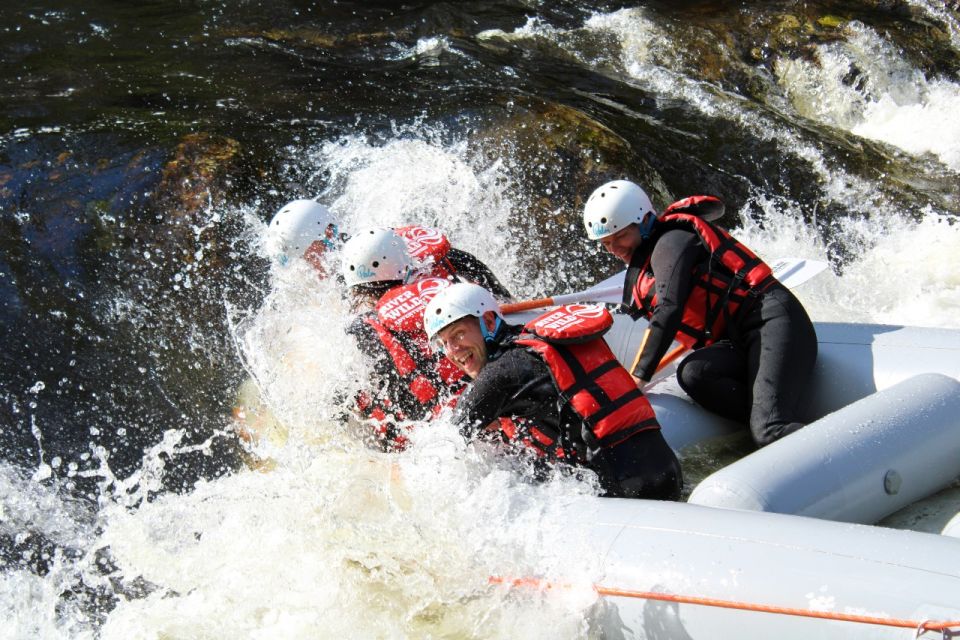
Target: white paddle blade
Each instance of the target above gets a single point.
(792, 272)
(609, 290)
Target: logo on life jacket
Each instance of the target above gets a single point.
(424, 243)
(571, 324)
(401, 308)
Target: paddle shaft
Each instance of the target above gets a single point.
(526, 305)
(791, 272)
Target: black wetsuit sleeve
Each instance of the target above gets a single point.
(517, 384)
(471, 268)
(385, 384)
(369, 344)
(673, 260)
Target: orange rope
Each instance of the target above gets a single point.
(924, 625)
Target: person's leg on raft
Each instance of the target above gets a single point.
(758, 379)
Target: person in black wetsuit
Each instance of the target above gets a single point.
(600, 420)
(754, 345)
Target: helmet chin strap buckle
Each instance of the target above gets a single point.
(489, 336)
(646, 225)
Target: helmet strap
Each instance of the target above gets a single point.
(646, 225)
(489, 336)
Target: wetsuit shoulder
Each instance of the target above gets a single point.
(513, 379)
(674, 259)
(473, 269)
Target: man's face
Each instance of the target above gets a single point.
(463, 344)
(623, 243)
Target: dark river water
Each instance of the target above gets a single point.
(143, 145)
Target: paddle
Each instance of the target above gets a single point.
(609, 290)
(792, 272)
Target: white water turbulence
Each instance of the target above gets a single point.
(863, 84)
(332, 539)
(340, 542)
(47, 528)
(892, 250)
(414, 178)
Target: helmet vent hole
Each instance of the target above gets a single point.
(376, 263)
(603, 221)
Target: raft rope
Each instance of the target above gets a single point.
(921, 626)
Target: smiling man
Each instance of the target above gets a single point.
(555, 387)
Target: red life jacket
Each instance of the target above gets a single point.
(717, 294)
(588, 378)
(401, 308)
(707, 208)
(429, 247)
(428, 380)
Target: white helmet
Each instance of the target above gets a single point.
(457, 301)
(614, 206)
(375, 254)
(297, 226)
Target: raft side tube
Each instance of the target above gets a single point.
(855, 360)
(858, 464)
(952, 528)
(767, 559)
(683, 422)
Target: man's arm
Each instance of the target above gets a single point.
(673, 259)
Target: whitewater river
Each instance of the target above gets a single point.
(143, 148)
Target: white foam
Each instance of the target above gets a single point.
(348, 544)
(418, 178)
(864, 85)
(900, 271)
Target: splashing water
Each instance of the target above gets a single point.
(863, 85)
(331, 539)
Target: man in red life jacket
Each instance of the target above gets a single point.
(555, 387)
(755, 346)
(390, 288)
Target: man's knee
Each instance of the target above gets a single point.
(766, 433)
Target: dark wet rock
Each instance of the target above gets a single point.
(198, 173)
(318, 38)
(560, 155)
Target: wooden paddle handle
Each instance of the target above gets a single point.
(526, 305)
